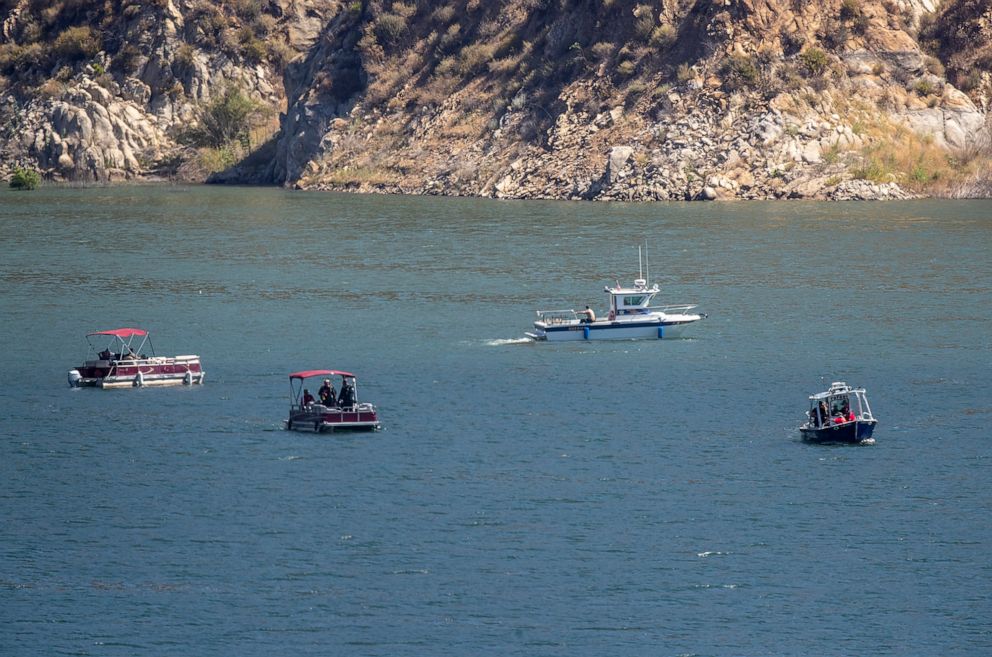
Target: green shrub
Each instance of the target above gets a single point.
(935, 66)
(451, 38)
(738, 72)
(247, 10)
(475, 56)
(389, 28)
(443, 14)
(253, 49)
(11, 56)
(626, 68)
(814, 61)
(280, 54)
(184, 58)
(664, 36)
(644, 21)
(602, 50)
(924, 87)
(872, 169)
(76, 43)
(404, 9)
(25, 179)
(223, 120)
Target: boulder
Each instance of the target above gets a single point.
(618, 158)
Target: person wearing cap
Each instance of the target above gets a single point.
(326, 394)
(590, 315)
(347, 397)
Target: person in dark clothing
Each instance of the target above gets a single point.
(347, 397)
(326, 394)
(307, 399)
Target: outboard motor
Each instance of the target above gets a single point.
(74, 378)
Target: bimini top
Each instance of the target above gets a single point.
(121, 332)
(306, 374)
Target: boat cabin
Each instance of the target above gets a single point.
(631, 300)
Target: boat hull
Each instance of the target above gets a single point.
(154, 372)
(320, 419)
(849, 432)
(652, 330)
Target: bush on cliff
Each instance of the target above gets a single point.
(739, 72)
(77, 43)
(224, 119)
(814, 61)
(25, 179)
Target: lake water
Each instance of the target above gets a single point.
(581, 499)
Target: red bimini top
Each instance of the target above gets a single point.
(121, 332)
(306, 374)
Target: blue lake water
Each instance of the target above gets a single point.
(581, 499)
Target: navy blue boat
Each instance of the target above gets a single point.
(839, 415)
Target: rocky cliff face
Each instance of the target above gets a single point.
(103, 91)
(591, 99)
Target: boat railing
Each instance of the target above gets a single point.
(557, 316)
(148, 360)
(318, 408)
(672, 309)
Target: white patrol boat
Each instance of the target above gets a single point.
(630, 317)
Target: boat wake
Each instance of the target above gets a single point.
(867, 441)
(506, 341)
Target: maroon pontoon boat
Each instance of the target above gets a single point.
(124, 364)
(328, 408)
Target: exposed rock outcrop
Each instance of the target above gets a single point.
(122, 93)
(674, 100)
(626, 100)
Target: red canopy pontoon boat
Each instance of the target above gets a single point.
(330, 408)
(123, 363)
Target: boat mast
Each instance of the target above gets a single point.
(640, 267)
(647, 266)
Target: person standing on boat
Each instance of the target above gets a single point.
(347, 397)
(590, 315)
(326, 394)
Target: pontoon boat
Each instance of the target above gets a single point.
(123, 363)
(338, 410)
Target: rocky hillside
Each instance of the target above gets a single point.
(117, 89)
(590, 99)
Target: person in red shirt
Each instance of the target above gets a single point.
(307, 399)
